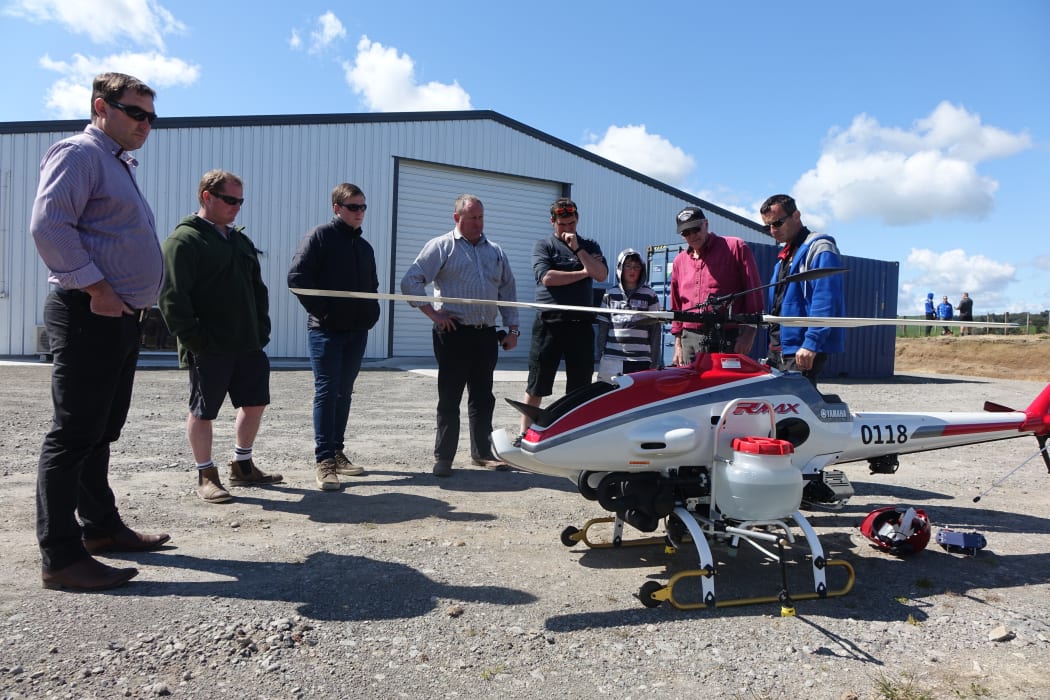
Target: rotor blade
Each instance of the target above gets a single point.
(423, 299)
(817, 273)
(750, 320)
(845, 322)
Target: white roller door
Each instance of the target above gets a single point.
(517, 214)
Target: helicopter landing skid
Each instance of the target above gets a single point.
(652, 594)
(571, 535)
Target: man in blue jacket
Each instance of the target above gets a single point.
(945, 312)
(795, 348)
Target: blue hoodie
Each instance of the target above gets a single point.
(819, 297)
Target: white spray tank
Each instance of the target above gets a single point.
(760, 483)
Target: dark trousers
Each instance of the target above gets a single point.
(466, 358)
(336, 360)
(91, 381)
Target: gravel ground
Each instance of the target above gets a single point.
(404, 585)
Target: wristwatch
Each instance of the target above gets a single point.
(575, 252)
(514, 331)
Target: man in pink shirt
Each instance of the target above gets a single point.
(711, 265)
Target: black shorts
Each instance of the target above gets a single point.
(552, 341)
(245, 376)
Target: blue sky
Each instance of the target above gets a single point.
(911, 131)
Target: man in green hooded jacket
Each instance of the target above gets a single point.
(215, 303)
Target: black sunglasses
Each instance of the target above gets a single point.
(232, 201)
(778, 223)
(691, 231)
(136, 113)
(353, 207)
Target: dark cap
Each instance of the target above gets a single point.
(690, 217)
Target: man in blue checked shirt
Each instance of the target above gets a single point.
(464, 263)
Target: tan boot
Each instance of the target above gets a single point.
(209, 486)
(344, 466)
(245, 473)
(326, 475)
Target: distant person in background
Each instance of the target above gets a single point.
(711, 264)
(335, 255)
(965, 313)
(931, 311)
(945, 313)
(792, 348)
(628, 342)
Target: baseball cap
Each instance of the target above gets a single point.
(690, 217)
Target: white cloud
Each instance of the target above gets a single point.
(329, 29)
(387, 82)
(953, 272)
(70, 95)
(105, 21)
(908, 176)
(634, 147)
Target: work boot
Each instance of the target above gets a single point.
(326, 475)
(209, 486)
(245, 473)
(344, 466)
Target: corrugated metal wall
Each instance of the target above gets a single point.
(289, 166)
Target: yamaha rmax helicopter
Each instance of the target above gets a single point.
(728, 449)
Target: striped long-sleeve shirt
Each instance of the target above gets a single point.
(90, 221)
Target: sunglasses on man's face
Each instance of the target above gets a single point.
(565, 212)
(136, 113)
(779, 222)
(232, 201)
(353, 207)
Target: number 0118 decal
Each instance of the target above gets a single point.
(884, 434)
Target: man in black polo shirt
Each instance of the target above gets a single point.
(566, 266)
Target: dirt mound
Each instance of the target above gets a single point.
(997, 357)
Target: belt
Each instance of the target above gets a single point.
(474, 326)
(139, 315)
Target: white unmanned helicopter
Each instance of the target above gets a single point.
(728, 449)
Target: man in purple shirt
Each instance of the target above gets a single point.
(95, 232)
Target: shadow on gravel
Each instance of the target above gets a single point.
(887, 588)
(477, 480)
(332, 587)
(349, 507)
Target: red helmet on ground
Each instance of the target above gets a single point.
(897, 530)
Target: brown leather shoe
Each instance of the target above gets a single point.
(245, 473)
(88, 574)
(125, 540)
(496, 465)
(209, 486)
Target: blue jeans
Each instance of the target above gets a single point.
(335, 357)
